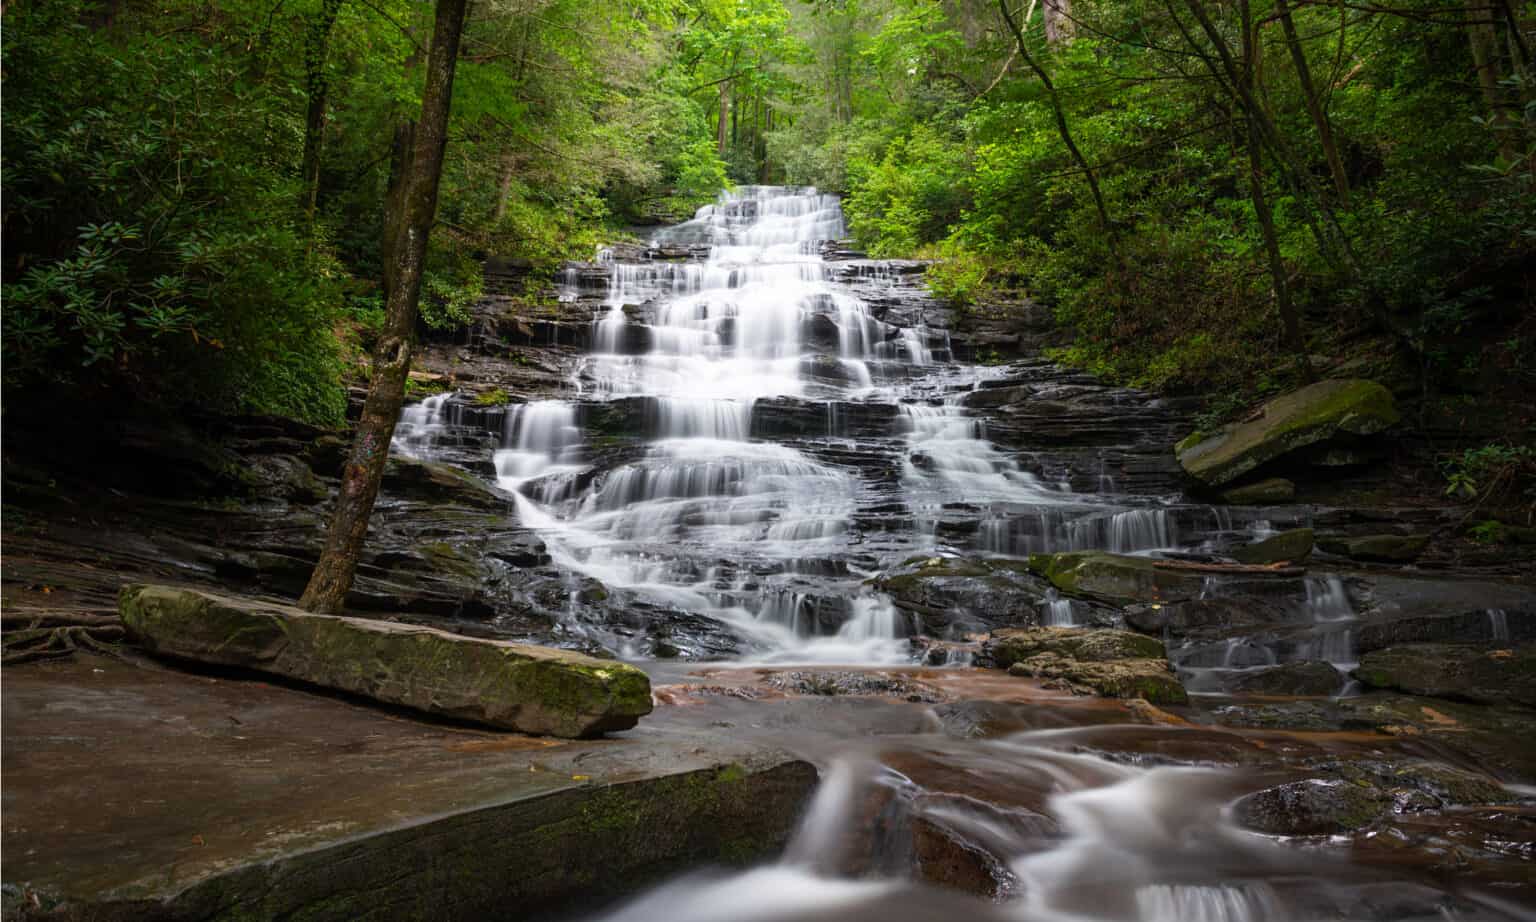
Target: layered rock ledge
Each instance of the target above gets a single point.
(150, 794)
(512, 686)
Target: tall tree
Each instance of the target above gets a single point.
(406, 255)
(316, 45)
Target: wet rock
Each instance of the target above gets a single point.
(1111, 663)
(1207, 618)
(1007, 647)
(1292, 546)
(863, 684)
(1387, 548)
(1315, 414)
(1313, 807)
(1113, 578)
(1264, 492)
(950, 596)
(1151, 679)
(1454, 671)
(439, 483)
(1487, 628)
(1312, 677)
(513, 686)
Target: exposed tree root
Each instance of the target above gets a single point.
(57, 635)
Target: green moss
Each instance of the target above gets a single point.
(497, 397)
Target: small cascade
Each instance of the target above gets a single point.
(1331, 611)
(1057, 610)
(1498, 625)
(535, 441)
(421, 426)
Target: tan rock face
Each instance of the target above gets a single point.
(1111, 663)
(513, 686)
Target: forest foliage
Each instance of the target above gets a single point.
(194, 191)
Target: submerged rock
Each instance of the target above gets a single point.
(1111, 663)
(1310, 677)
(1454, 671)
(1269, 490)
(1292, 546)
(1314, 414)
(512, 686)
(1389, 548)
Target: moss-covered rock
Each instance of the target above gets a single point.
(1007, 647)
(952, 596)
(1111, 663)
(1318, 412)
(1389, 548)
(514, 686)
(1293, 546)
(1150, 679)
(1114, 578)
(1312, 807)
(1453, 671)
(1269, 490)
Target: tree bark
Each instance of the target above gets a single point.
(1290, 320)
(1484, 43)
(722, 137)
(1314, 105)
(316, 48)
(407, 249)
(1065, 132)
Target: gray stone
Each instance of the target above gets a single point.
(1292, 546)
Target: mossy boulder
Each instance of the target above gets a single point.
(1111, 663)
(1387, 548)
(1313, 807)
(1293, 546)
(1454, 671)
(1263, 492)
(1312, 415)
(953, 596)
(1114, 578)
(512, 686)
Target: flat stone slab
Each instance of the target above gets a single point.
(520, 687)
(147, 794)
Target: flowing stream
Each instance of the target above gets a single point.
(775, 531)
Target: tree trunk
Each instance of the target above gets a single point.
(316, 47)
(722, 138)
(1314, 105)
(504, 186)
(1289, 319)
(407, 248)
(1065, 132)
(1484, 42)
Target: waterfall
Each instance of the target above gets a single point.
(421, 426)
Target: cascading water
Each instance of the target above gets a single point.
(777, 540)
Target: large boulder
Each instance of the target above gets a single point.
(1314, 414)
(952, 596)
(1312, 807)
(1388, 548)
(513, 686)
(1111, 663)
(1454, 671)
(1118, 579)
(1292, 546)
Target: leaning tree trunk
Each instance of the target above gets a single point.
(1314, 104)
(407, 250)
